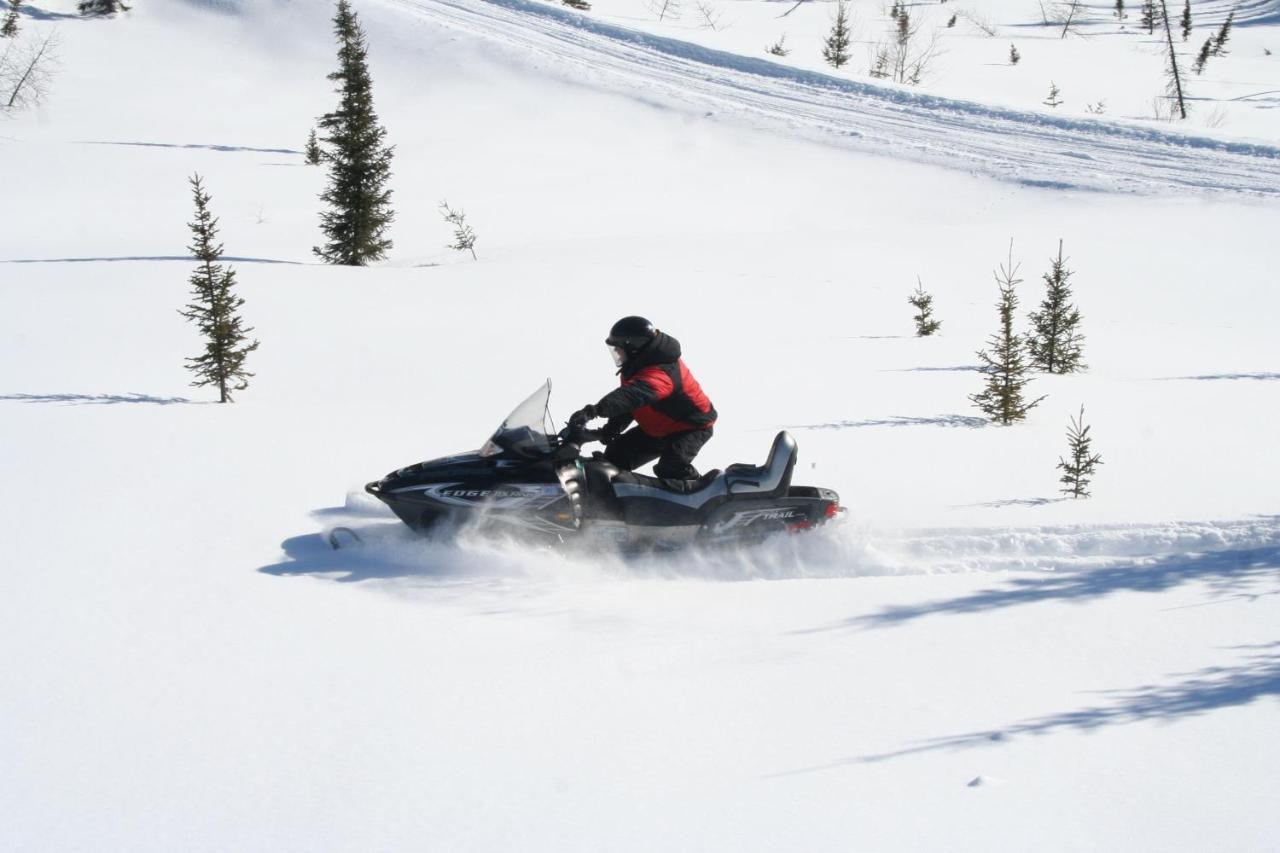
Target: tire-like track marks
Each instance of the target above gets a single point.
(1023, 147)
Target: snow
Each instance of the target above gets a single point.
(969, 662)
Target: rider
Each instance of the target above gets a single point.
(673, 417)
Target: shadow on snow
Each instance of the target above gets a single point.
(966, 421)
(184, 258)
(1226, 571)
(1255, 675)
(226, 149)
(93, 399)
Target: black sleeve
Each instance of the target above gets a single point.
(617, 424)
(626, 399)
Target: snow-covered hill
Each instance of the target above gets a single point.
(968, 663)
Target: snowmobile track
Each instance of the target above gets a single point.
(1028, 148)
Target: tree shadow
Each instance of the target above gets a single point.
(95, 399)
(226, 149)
(1212, 377)
(39, 14)
(959, 368)
(1256, 675)
(183, 258)
(1227, 572)
(953, 421)
(1018, 502)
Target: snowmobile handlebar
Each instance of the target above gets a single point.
(578, 435)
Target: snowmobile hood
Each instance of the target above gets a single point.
(663, 349)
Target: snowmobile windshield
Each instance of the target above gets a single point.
(525, 431)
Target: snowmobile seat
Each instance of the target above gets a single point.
(691, 493)
(773, 478)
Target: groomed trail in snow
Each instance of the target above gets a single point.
(1024, 147)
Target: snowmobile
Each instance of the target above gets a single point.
(529, 480)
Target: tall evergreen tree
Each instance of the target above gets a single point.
(99, 8)
(359, 163)
(9, 28)
(1078, 471)
(1186, 20)
(926, 325)
(1002, 364)
(835, 50)
(215, 308)
(1120, 10)
(1055, 343)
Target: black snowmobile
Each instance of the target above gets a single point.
(528, 480)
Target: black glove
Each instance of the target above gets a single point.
(579, 418)
(608, 436)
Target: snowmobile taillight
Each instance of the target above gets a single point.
(798, 526)
(833, 509)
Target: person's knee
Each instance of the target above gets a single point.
(675, 469)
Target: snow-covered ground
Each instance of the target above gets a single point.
(967, 663)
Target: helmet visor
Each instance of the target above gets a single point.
(619, 355)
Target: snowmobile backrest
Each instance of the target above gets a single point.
(771, 478)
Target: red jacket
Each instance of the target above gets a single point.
(659, 393)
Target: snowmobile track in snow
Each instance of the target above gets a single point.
(1028, 148)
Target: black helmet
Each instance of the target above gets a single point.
(631, 334)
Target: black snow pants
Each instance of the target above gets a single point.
(674, 453)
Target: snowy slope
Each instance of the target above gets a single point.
(969, 663)
(1033, 148)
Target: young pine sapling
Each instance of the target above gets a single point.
(1006, 372)
(1055, 343)
(835, 50)
(1078, 470)
(313, 153)
(922, 301)
(464, 236)
(215, 308)
(9, 28)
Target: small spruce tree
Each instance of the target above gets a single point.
(1224, 33)
(215, 308)
(1053, 100)
(1186, 20)
(313, 153)
(9, 28)
(1203, 57)
(1149, 16)
(835, 50)
(100, 8)
(1120, 13)
(580, 5)
(1055, 343)
(779, 48)
(1014, 56)
(926, 325)
(951, 22)
(1078, 471)
(464, 236)
(1002, 364)
(359, 200)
